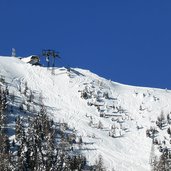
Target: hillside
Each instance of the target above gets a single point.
(111, 118)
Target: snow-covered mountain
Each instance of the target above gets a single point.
(111, 118)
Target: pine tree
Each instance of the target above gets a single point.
(99, 165)
(100, 125)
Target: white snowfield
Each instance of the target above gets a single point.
(126, 108)
(26, 59)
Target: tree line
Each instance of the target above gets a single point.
(40, 144)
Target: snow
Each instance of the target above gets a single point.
(62, 96)
(26, 59)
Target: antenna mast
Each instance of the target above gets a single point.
(13, 52)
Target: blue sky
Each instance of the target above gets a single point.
(128, 41)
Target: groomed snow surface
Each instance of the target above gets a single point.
(124, 109)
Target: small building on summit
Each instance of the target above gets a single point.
(33, 59)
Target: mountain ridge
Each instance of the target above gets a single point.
(84, 100)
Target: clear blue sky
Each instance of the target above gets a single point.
(128, 41)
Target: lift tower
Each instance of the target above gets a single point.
(50, 55)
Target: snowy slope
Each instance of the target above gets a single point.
(126, 109)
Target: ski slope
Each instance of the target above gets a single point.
(126, 109)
